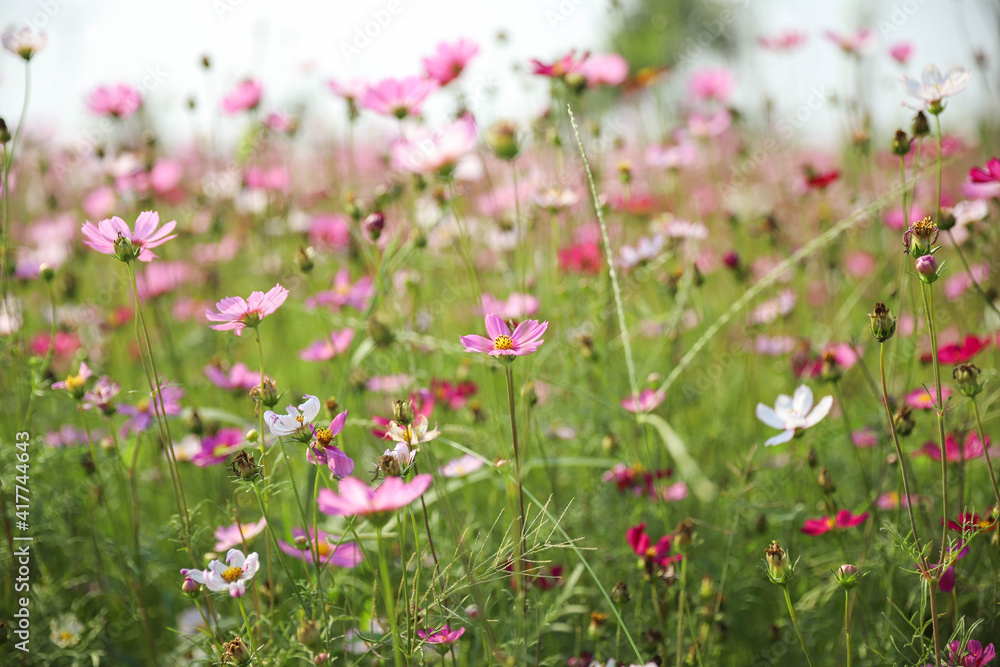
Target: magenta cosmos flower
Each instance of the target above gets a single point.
(646, 402)
(844, 519)
(989, 174)
(346, 554)
(119, 101)
(228, 537)
(525, 339)
(344, 293)
(974, 655)
(327, 348)
(113, 236)
(357, 499)
(397, 97)
(443, 635)
(244, 97)
(237, 314)
(449, 60)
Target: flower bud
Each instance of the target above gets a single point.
(652, 639)
(903, 419)
(586, 344)
(124, 250)
(374, 224)
(388, 465)
(269, 395)
(967, 376)
(501, 137)
(620, 594)
(825, 481)
(307, 632)
(4, 136)
(779, 570)
(321, 659)
(707, 588)
(596, 628)
(625, 171)
(46, 272)
(609, 443)
(244, 466)
(920, 127)
(236, 652)
(684, 534)
(901, 143)
(812, 457)
(848, 576)
(304, 259)
(473, 612)
(830, 369)
(927, 268)
(190, 587)
(919, 239)
(332, 407)
(883, 324)
(402, 412)
(379, 331)
(252, 435)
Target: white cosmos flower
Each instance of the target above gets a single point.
(296, 419)
(934, 87)
(790, 413)
(231, 576)
(414, 434)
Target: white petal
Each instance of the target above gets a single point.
(803, 399)
(310, 408)
(783, 405)
(235, 558)
(821, 410)
(779, 439)
(766, 414)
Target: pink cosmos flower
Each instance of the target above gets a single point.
(349, 89)
(972, 448)
(641, 543)
(357, 499)
(988, 174)
(347, 554)
(844, 519)
(604, 69)
(323, 452)
(101, 395)
(442, 636)
(244, 97)
(524, 340)
(923, 398)
(974, 655)
(344, 293)
(959, 353)
(239, 377)
(389, 384)
(219, 447)
(706, 126)
(462, 466)
(236, 314)
(104, 236)
(516, 307)
(327, 348)
(449, 60)
(75, 384)
(680, 155)
(24, 42)
(955, 286)
(934, 87)
(425, 152)
(647, 401)
(162, 278)
(675, 492)
(559, 69)
(901, 52)
(231, 536)
(858, 43)
(232, 576)
(279, 121)
(142, 413)
(397, 97)
(793, 413)
(118, 101)
(864, 438)
(712, 84)
(786, 40)
(330, 231)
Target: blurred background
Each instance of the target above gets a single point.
(295, 46)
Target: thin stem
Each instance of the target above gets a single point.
(390, 603)
(48, 352)
(520, 545)
(937, 208)
(795, 624)
(680, 612)
(847, 624)
(986, 451)
(895, 441)
(850, 441)
(8, 162)
(937, 642)
(972, 278)
(928, 295)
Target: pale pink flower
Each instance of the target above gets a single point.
(524, 340)
(327, 348)
(957, 284)
(119, 101)
(647, 402)
(233, 535)
(279, 121)
(165, 175)
(103, 236)
(330, 231)
(99, 202)
(357, 499)
(901, 52)
(516, 307)
(349, 89)
(24, 42)
(449, 60)
(680, 155)
(244, 97)
(389, 384)
(162, 278)
(462, 466)
(786, 40)
(236, 314)
(675, 492)
(858, 43)
(865, 438)
(706, 126)
(607, 69)
(344, 293)
(397, 97)
(859, 264)
(934, 87)
(424, 152)
(793, 413)
(239, 377)
(413, 434)
(347, 554)
(712, 83)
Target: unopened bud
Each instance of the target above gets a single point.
(946, 219)
(625, 171)
(124, 250)
(967, 377)
(683, 534)
(190, 587)
(4, 132)
(901, 143)
(920, 126)
(46, 272)
(620, 594)
(825, 481)
(374, 224)
(321, 659)
(779, 570)
(927, 268)
(402, 412)
(252, 435)
(244, 466)
(848, 576)
(473, 612)
(903, 419)
(609, 443)
(236, 652)
(812, 457)
(301, 542)
(332, 407)
(883, 324)
(501, 137)
(304, 259)
(379, 331)
(596, 628)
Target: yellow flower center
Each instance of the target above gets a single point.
(74, 382)
(503, 343)
(232, 574)
(322, 547)
(143, 405)
(324, 436)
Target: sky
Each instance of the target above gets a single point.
(295, 46)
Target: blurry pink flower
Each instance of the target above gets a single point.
(516, 307)
(894, 218)
(119, 101)
(973, 190)
(712, 84)
(864, 438)
(602, 69)
(233, 536)
(162, 278)
(647, 402)
(972, 448)
(165, 175)
(357, 499)
(442, 635)
(279, 121)
(524, 340)
(559, 69)
(988, 174)
(891, 501)
(706, 126)
(274, 179)
(675, 492)
(330, 231)
(959, 352)
(859, 264)
(397, 97)
(217, 448)
(236, 314)
(957, 284)
(104, 236)
(774, 346)
(24, 42)
(347, 554)
(389, 384)
(327, 348)
(923, 398)
(99, 202)
(239, 377)
(75, 384)
(844, 519)
(772, 309)
(934, 87)
(350, 89)
(142, 413)
(244, 97)
(680, 155)
(793, 413)
(462, 466)
(786, 40)
(858, 43)
(426, 152)
(901, 52)
(449, 60)
(344, 293)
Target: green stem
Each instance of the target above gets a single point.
(940, 156)
(847, 624)
(390, 603)
(899, 450)
(928, 295)
(48, 352)
(246, 621)
(519, 548)
(795, 624)
(986, 451)
(680, 612)
(8, 162)
(972, 278)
